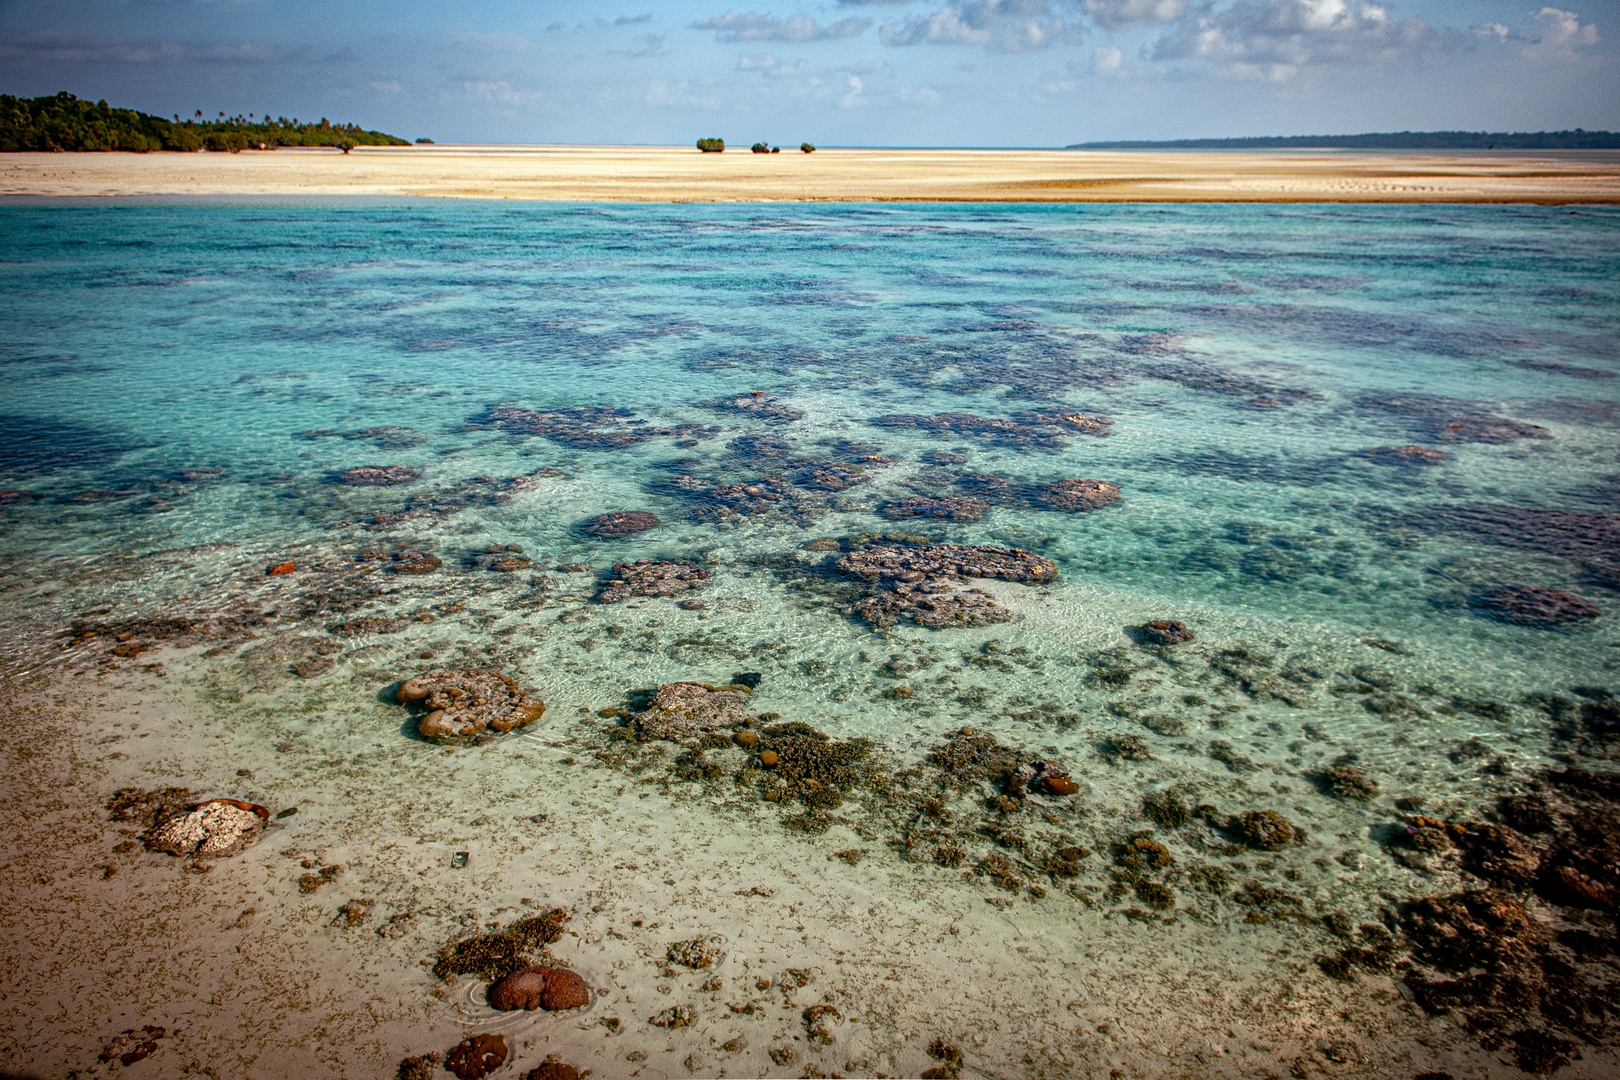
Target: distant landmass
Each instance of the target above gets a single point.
(64, 122)
(1577, 139)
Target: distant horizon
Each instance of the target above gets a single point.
(923, 73)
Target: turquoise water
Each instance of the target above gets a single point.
(185, 384)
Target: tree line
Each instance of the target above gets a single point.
(65, 122)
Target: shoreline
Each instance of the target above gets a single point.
(677, 175)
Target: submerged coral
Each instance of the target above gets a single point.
(213, 830)
(378, 475)
(583, 427)
(1165, 632)
(647, 578)
(495, 955)
(1532, 605)
(1406, 456)
(466, 704)
(550, 988)
(476, 1056)
(684, 711)
(621, 523)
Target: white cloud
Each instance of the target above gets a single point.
(773, 68)
(1276, 39)
(1117, 14)
(1561, 34)
(1004, 25)
(1493, 29)
(853, 98)
(1106, 60)
(754, 27)
(922, 96)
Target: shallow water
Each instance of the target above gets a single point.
(185, 382)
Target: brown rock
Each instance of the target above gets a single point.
(378, 476)
(918, 506)
(279, 569)
(466, 704)
(412, 561)
(554, 1070)
(1266, 829)
(1166, 632)
(621, 523)
(524, 989)
(1075, 495)
(565, 990)
(647, 578)
(476, 1057)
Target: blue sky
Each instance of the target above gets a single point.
(835, 72)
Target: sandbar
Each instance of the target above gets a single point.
(682, 174)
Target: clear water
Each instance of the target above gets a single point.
(1248, 357)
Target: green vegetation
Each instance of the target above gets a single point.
(761, 148)
(712, 146)
(64, 122)
(1578, 139)
(808, 148)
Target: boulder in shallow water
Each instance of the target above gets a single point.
(684, 711)
(477, 1056)
(213, 830)
(413, 561)
(378, 476)
(462, 705)
(540, 987)
(1532, 605)
(1075, 495)
(1165, 632)
(920, 506)
(621, 523)
(647, 578)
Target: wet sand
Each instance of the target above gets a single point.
(681, 174)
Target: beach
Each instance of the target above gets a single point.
(682, 174)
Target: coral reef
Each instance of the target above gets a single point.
(477, 1056)
(495, 955)
(1532, 605)
(684, 711)
(413, 561)
(920, 581)
(378, 476)
(1165, 632)
(647, 578)
(676, 1016)
(919, 506)
(584, 427)
(213, 830)
(1074, 495)
(537, 987)
(621, 523)
(554, 1070)
(1266, 829)
(759, 404)
(462, 705)
(1405, 456)
(421, 1067)
(696, 953)
(502, 558)
(1042, 430)
(1347, 782)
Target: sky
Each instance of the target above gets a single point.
(835, 72)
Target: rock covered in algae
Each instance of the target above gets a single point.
(495, 955)
(696, 953)
(378, 475)
(1075, 495)
(621, 523)
(213, 830)
(921, 506)
(466, 704)
(936, 612)
(477, 1056)
(1267, 830)
(684, 711)
(413, 561)
(1165, 632)
(647, 578)
(1533, 605)
(540, 987)
(554, 1070)
(947, 562)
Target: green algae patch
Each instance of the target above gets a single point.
(496, 955)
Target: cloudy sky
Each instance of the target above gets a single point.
(835, 72)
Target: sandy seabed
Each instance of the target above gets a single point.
(676, 174)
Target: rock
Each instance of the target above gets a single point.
(684, 711)
(412, 561)
(691, 605)
(948, 562)
(833, 477)
(502, 558)
(313, 668)
(1046, 775)
(822, 545)
(554, 1070)
(917, 506)
(973, 608)
(583, 427)
(676, 1016)
(1044, 430)
(1165, 632)
(421, 1067)
(539, 987)
(1497, 853)
(746, 739)
(769, 758)
(465, 704)
(1266, 829)
(760, 404)
(278, 569)
(621, 523)
(697, 953)
(647, 578)
(378, 476)
(213, 830)
(1075, 495)
(477, 1056)
(1532, 605)
(1406, 456)
(1347, 783)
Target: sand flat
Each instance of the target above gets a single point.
(681, 174)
